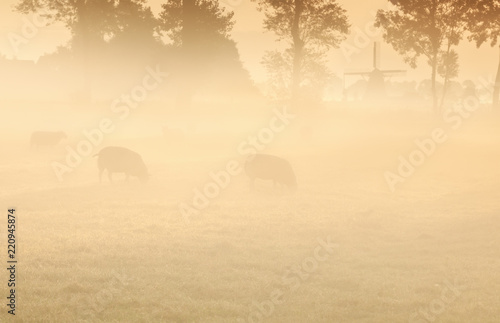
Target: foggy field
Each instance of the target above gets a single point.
(123, 252)
(231, 161)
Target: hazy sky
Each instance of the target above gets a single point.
(253, 42)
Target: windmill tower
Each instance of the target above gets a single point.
(376, 78)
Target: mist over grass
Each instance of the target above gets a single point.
(395, 251)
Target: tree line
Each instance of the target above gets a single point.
(195, 36)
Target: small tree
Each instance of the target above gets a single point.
(429, 28)
(311, 28)
(484, 26)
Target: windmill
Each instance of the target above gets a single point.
(376, 78)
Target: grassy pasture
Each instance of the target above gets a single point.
(122, 252)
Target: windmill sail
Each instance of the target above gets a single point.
(376, 77)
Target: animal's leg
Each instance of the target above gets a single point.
(100, 174)
(110, 176)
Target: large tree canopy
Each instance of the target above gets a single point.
(428, 28)
(320, 24)
(310, 28)
(207, 20)
(94, 18)
(484, 26)
(205, 55)
(103, 33)
(134, 22)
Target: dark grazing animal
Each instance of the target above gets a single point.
(46, 138)
(121, 160)
(269, 167)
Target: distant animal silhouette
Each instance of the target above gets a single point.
(269, 167)
(46, 138)
(121, 160)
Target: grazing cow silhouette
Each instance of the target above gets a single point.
(269, 167)
(46, 138)
(121, 160)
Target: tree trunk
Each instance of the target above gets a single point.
(188, 7)
(443, 96)
(435, 49)
(82, 32)
(187, 72)
(298, 53)
(496, 89)
(433, 82)
(446, 78)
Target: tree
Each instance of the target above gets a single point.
(95, 23)
(77, 16)
(484, 26)
(448, 70)
(199, 32)
(311, 28)
(195, 22)
(425, 27)
(134, 40)
(314, 78)
(134, 25)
